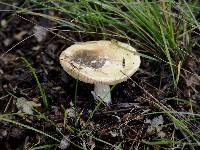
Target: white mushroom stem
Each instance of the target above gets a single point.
(102, 91)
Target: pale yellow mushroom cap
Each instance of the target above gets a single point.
(100, 62)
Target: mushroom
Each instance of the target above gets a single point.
(101, 63)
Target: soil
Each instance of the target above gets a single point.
(124, 122)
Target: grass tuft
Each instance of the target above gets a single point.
(160, 29)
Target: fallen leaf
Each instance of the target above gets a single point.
(26, 106)
(40, 33)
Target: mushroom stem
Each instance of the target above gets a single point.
(102, 91)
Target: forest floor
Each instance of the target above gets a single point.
(130, 122)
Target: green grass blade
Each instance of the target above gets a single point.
(48, 146)
(28, 127)
(42, 91)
